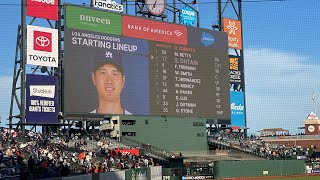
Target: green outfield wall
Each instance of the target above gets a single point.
(255, 168)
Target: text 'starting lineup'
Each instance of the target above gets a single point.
(99, 41)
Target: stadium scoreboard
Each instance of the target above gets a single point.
(170, 70)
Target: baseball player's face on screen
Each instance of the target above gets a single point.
(109, 82)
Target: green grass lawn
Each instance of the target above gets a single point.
(302, 177)
(307, 177)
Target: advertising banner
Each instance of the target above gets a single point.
(42, 46)
(156, 172)
(236, 73)
(93, 20)
(80, 177)
(237, 108)
(137, 174)
(233, 28)
(188, 16)
(123, 152)
(46, 9)
(154, 30)
(41, 99)
(120, 175)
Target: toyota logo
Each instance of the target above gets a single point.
(42, 41)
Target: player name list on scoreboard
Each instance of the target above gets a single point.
(183, 82)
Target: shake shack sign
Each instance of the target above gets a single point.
(107, 4)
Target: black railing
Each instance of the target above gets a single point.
(148, 149)
(234, 146)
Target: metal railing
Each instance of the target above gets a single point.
(148, 149)
(233, 145)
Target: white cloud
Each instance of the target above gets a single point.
(279, 89)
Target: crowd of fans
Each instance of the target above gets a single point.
(258, 147)
(37, 155)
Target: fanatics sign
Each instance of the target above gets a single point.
(42, 46)
(47, 9)
(108, 5)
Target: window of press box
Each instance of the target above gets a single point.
(198, 124)
(128, 133)
(128, 122)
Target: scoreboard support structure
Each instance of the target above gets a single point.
(18, 95)
(236, 11)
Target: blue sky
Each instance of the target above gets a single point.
(281, 51)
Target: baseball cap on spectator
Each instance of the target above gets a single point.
(113, 58)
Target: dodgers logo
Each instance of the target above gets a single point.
(207, 39)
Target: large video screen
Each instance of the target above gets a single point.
(119, 64)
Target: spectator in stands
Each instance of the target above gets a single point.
(81, 157)
(150, 163)
(118, 136)
(121, 165)
(101, 168)
(31, 163)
